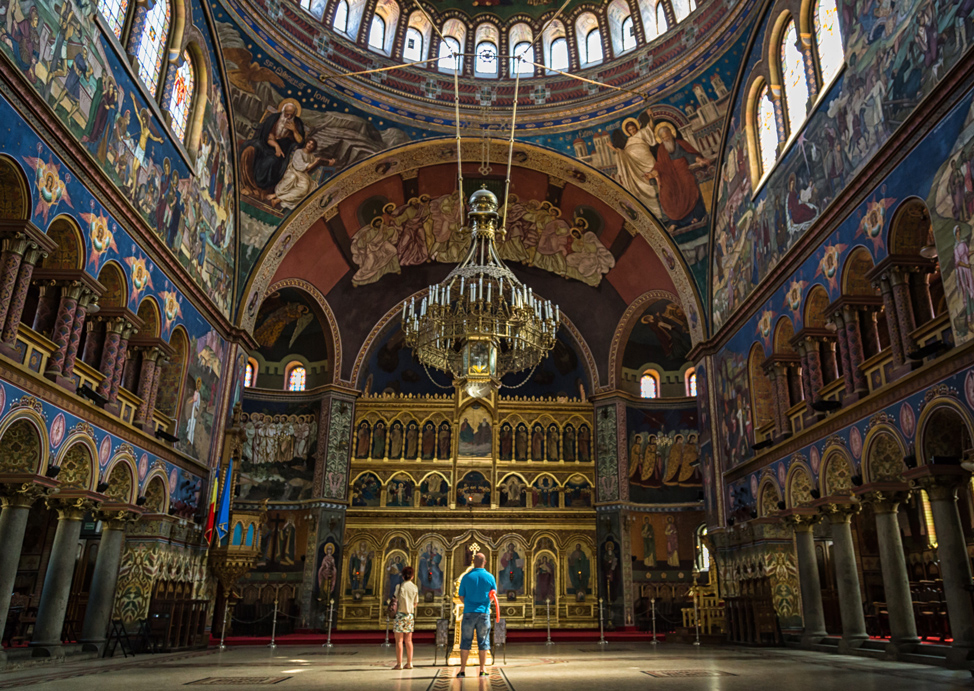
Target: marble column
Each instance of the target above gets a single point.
(154, 394)
(775, 404)
(63, 327)
(109, 354)
(147, 377)
(116, 378)
(842, 340)
(47, 304)
(955, 565)
(101, 597)
(813, 612)
(87, 299)
(816, 379)
(896, 578)
(830, 362)
(920, 289)
(57, 581)
(900, 284)
(889, 305)
(783, 394)
(854, 347)
(94, 341)
(11, 325)
(847, 576)
(15, 501)
(10, 259)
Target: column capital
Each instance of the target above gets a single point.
(839, 509)
(802, 520)
(71, 508)
(115, 518)
(21, 495)
(884, 497)
(940, 482)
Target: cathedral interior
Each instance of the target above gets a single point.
(664, 306)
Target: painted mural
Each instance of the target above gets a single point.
(893, 59)
(661, 338)
(189, 202)
(203, 387)
(664, 461)
(278, 451)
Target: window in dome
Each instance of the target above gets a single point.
(151, 44)
(662, 25)
(559, 54)
(448, 61)
(523, 67)
(181, 97)
(485, 64)
(628, 34)
(682, 9)
(795, 83)
(649, 385)
(377, 33)
(413, 50)
(316, 8)
(828, 40)
(589, 39)
(296, 378)
(554, 46)
(691, 379)
(340, 22)
(593, 47)
(767, 131)
(113, 11)
(249, 374)
(647, 11)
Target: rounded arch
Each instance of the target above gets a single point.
(760, 389)
(70, 250)
(112, 276)
(149, 313)
(78, 464)
(883, 452)
(121, 474)
(954, 430)
(854, 270)
(763, 153)
(772, 48)
(625, 328)
(156, 492)
(173, 377)
(333, 337)
(816, 301)
(768, 496)
(197, 110)
(835, 477)
(414, 155)
(784, 331)
(799, 485)
(15, 199)
(23, 437)
(910, 228)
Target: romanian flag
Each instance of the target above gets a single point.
(211, 512)
(223, 517)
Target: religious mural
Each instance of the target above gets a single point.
(473, 490)
(579, 567)
(64, 56)
(282, 539)
(893, 59)
(328, 567)
(366, 490)
(278, 450)
(429, 574)
(510, 571)
(289, 323)
(660, 338)
(475, 435)
(198, 415)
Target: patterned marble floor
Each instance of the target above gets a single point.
(566, 667)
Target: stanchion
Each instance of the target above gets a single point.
(223, 629)
(386, 643)
(547, 603)
(653, 603)
(696, 616)
(273, 643)
(602, 640)
(331, 609)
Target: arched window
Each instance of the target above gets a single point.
(340, 22)
(519, 39)
(691, 381)
(250, 374)
(113, 11)
(554, 46)
(828, 40)
(649, 385)
(297, 377)
(448, 60)
(377, 33)
(151, 44)
(589, 39)
(316, 8)
(485, 64)
(767, 131)
(593, 47)
(701, 557)
(662, 25)
(628, 34)
(793, 76)
(181, 98)
(558, 55)
(647, 10)
(682, 9)
(413, 49)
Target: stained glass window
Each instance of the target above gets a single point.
(524, 66)
(413, 50)
(767, 131)
(448, 61)
(593, 47)
(340, 22)
(152, 44)
(559, 54)
(793, 73)
(114, 13)
(681, 8)
(661, 24)
(649, 386)
(296, 378)
(828, 38)
(486, 63)
(692, 383)
(181, 98)
(377, 33)
(249, 375)
(628, 34)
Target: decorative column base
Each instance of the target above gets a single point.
(66, 383)
(11, 352)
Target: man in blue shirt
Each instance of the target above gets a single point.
(477, 589)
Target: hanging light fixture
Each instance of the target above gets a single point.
(481, 322)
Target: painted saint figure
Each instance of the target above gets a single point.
(672, 543)
(579, 571)
(544, 584)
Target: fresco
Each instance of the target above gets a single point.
(278, 452)
(893, 60)
(198, 414)
(663, 541)
(475, 433)
(661, 337)
(288, 323)
(663, 456)
(366, 490)
(63, 55)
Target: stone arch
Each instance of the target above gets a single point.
(79, 469)
(173, 377)
(112, 277)
(816, 301)
(70, 250)
(799, 485)
(953, 427)
(854, 270)
(625, 327)
(910, 228)
(333, 341)
(768, 496)
(150, 316)
(882, 455)
(201, 72)
(835, 478)
(24, 444)
(15, 199)
(760, 389)
(156, 493)
(121, 475)
(784, 331)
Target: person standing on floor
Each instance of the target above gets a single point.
(477, 589)
(407, 595)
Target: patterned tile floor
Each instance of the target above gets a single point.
(534, 667)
